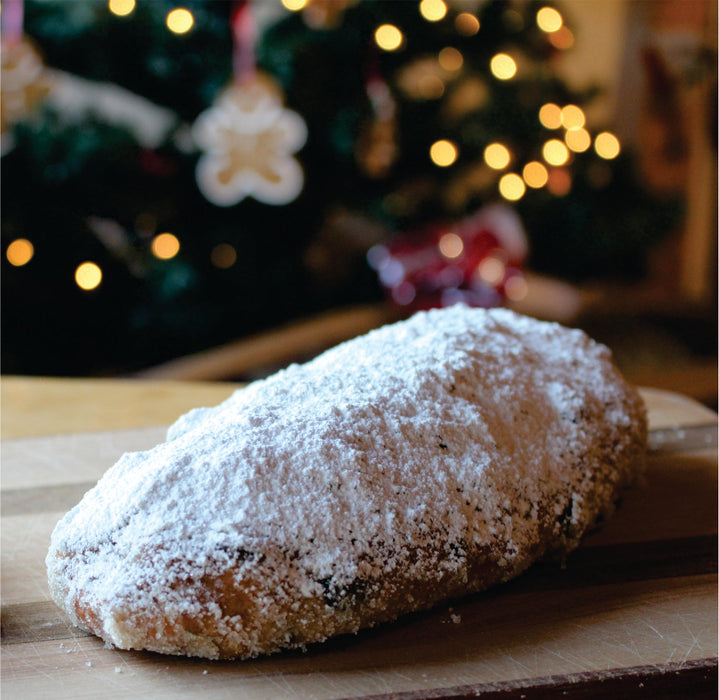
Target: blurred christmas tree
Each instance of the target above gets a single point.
(223, 167)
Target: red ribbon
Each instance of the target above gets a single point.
(244, 34)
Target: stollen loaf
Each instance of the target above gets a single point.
(423, 461)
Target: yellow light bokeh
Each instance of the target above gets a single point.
(88, 276)
(549, 20)
(572, 117)
(562, 39)
(443, 153)
(578, 140)
(555, 152)
(550, 116)
(20, 252)
(503, 66)
(223, 255)
(430, 87)
(121, 8)
(179, 20)
(466, 24)
(535, 174)
(450, 59)
(491, 270)
(165, 246)
(433, 10)
(496, 156)
(388, 37)
(512, 187)
(294, 5)
(607, 145)
(451, 245)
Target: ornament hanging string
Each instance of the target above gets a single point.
(244, 34)
(12, 21)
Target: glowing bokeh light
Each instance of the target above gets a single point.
(491, 270)
(433, 10)
(294, 5)
(555, 152)
(121, 8)
(451, 245)
(503, 66)
(607, 145)
(578, 140)
(20, 252)
(165, 246)
(443, 153)
(572, 117)
(88, 276)
(179, 20)
(562, 39)
(466, 24)
(450, 59)
(560, 182)
(496, 156)
(550, 116)
(512, 187)
(388, 37)
(223, 255)
(549, 20)
(535, 174)
(430, 87)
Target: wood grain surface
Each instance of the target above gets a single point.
(632, 613)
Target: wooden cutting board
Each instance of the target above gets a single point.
(632, 613)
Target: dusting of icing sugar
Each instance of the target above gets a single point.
(404, 448)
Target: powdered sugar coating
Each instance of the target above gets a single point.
(423, 451)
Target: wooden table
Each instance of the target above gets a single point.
(633, 613)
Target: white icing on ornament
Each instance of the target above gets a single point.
(249, 139)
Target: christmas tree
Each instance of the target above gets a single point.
(179, 174)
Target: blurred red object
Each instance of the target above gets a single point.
(476, 261)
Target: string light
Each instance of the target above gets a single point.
(179, 20)
(121, 8)
(550, 116)
(607, 145)
(496, 156)
(450, 59)
(572, 117)
(294, 5)
(388, 37)
(578, 140)
(88, 276)
(433, 10)
(535, 174)
(503, 66)
(511, 187)
(466, 24)
(549, 20)
(451, 245)
(165, 246)
(223, 255)
(555, 152)
(20, 252)
(443, 153)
